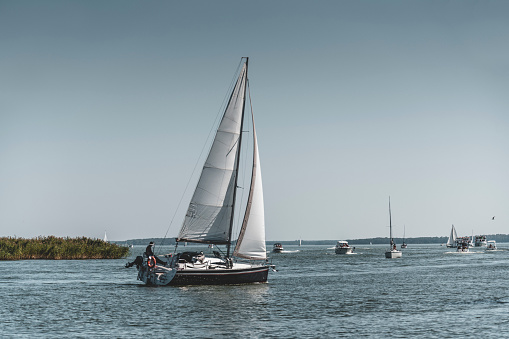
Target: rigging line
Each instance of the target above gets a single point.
(223, 104)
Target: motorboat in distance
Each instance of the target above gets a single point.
(278, 248)
(492, 245)
(342, 247)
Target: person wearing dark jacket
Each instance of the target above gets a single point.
(149, 251)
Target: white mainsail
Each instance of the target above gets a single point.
(251, 241)
(209, 214)
(451, 241)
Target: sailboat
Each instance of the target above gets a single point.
(105, 239)
(392, 252)
(210, 216)
(451, 241)
(404, 245)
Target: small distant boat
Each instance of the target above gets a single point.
(105, 239)
(480, 241)
(404, 245)
(463, 246)
(393, 252)
(278, 248)
(451, 241)
(463, 241)
(342, 247)
(491, 245)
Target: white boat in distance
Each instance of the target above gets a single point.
(480, 241)
(210, 215)
(404, 245)
(278, 248)
(491, 246)
(451, 241)
(393, 252)
(462, 246)
(342, 247)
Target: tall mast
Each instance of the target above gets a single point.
(237, 165)
(390, 220)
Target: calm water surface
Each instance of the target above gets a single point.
(431, 292)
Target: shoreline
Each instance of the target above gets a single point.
(54, 248)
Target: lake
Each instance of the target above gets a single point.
(431, 292)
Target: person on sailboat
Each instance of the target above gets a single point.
(199, 258)
(149, 252)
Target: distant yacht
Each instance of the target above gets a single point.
(480, 241)
(105, 239)
(404, 245)
(451, 241)
(462, 244)
(491, 246)
(278, 248)
(342, 247)
(393, 252)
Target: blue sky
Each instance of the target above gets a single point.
(105, 107)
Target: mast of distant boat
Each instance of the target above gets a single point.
(390, 222)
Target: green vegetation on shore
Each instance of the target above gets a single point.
(59, 248)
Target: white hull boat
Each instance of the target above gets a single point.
(278, 248)
(392, 253)
(491, 245)
(342, 247)
(404, 245)
(480, 241)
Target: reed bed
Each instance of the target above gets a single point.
(59, 248)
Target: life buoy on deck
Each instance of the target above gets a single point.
(151, 261)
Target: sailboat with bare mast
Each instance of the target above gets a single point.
(210, 215)
(393, 251)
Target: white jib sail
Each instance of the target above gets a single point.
(251, 241)
(210, 210)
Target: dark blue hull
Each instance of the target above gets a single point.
(221, 276)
